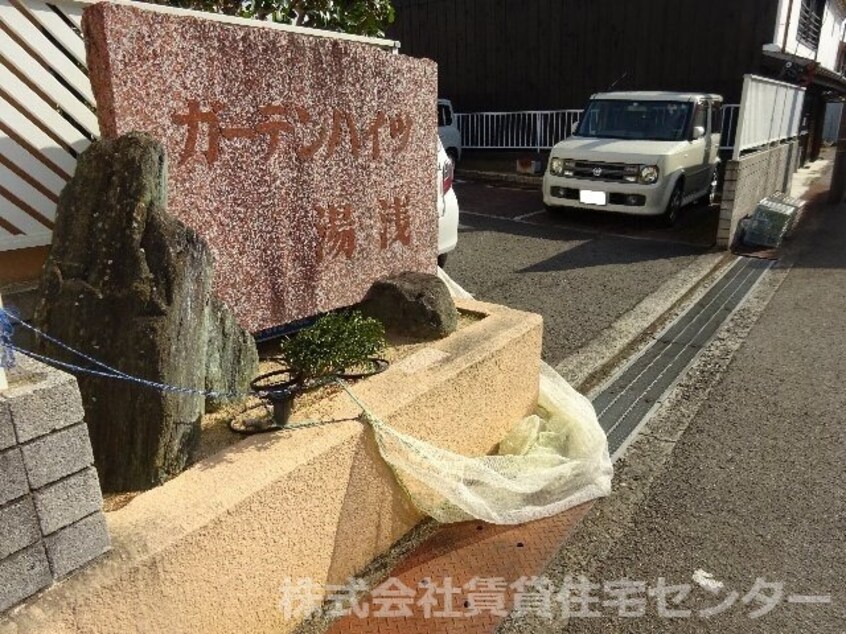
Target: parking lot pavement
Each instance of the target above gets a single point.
(697, 225)
(580, 281)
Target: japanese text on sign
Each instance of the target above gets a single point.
(303, 132)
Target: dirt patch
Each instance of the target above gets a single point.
(216, 434)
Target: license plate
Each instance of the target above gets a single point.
(593, 198)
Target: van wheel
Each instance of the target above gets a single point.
(671, 214)
(442, 259)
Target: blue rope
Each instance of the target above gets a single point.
(7, 321)
(7, 357)
(20, 322)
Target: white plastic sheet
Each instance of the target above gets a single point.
(548, 462)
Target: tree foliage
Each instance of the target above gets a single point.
(335, 342)
(361, 17)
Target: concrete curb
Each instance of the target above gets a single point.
(501, 178)
(590, 365)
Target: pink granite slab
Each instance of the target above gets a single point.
(307, 163)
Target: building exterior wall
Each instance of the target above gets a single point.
(831, 32)
(500, 55)
(751, 178)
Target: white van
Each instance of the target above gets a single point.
(644, 153)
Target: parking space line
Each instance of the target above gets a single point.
(578, 229)
(529, 215)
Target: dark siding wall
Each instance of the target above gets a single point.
(550, 54)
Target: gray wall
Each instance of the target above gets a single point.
(831, 127)
(751, 178)
(51, 519)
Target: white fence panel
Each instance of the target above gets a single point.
(45, 50)
(46, 114)
(523, 130)
(49, 19)
(541, 129)
(770, 111)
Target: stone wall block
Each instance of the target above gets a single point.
(23, 574)
(43, 405)
(53, 457)
(13, 482)
(7, 429)
(63, 503)
(18, 526)
(77, 544)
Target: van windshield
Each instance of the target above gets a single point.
(641, 120)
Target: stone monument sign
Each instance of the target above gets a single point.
(307, 163)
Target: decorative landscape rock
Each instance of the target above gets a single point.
(130, 285)
(306, 163)
(415, 305)
(231, 356)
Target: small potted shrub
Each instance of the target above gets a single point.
(343, 344)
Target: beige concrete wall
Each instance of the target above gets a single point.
(208, 551)
(751, 178)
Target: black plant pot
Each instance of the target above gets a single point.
(280, 394)
(280, 388)
(282, 408)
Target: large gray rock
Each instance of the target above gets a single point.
(130, 285)
(413, 305)
(231, 356)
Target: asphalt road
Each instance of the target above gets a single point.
(581, 272)
(754, 493)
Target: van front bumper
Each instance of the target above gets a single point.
(627, 198)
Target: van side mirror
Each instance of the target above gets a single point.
(698, 132)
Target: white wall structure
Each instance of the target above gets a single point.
(46, 114)
(770, 112)
(794, 14)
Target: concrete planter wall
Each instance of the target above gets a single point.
(209, 550)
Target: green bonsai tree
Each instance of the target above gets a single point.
(336, 342)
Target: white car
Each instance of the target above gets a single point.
(643, 153)
(448, 131)
(447, 206)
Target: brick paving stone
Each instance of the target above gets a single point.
(462, 552)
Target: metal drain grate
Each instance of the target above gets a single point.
(630, 398)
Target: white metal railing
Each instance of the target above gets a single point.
(46, 114)
(770, 111)
(729, 127)
(541, 129)
(535, 129)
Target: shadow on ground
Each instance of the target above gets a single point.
(697, 224)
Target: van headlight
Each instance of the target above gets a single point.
(556, 166)
(561, 167)
(649, 174)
